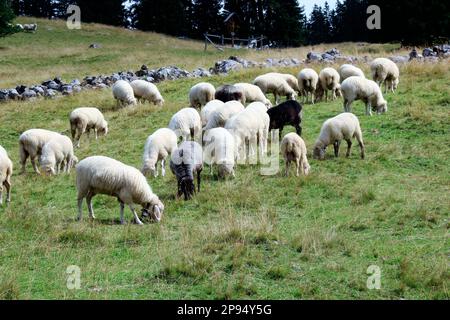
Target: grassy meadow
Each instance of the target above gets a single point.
(253, 237)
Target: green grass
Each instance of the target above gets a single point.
(252, 237)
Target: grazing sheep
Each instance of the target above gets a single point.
(387, 72)
(349, 70)
(344, 126)
(157, 147)
(103, 175)
(123, 93)
(87, 119)
(357, 88)
(253, 93)
(229, 92)
(209, 108)
(287, 113)
(186, 161)
(294, 150)
(57, 154)
(246, 127)
(6, 170)
(275, 85)
(220, 116)
(147, 91)
(263, 134)
(220, 150)
(186, 123)
(289, 78)
(307, 83)
(30, 145)
(201, 94)
(329, 79)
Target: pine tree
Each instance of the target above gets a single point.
(206, 17)
(111, 12)
(6, 18)
(36, 8)
(318, 27)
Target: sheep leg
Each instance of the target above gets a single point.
(96, 133)
(280, 133)
(199, 179)
(23, 159)
(297, 163)
(89, 204)
(287, 168)
(349, 147)
(35, 167)
(336, 145)
(298, 129)
(1, 195)
(163, 169)
(80, 208)
(361, 146)
(122, 208)
(136, 218)
(7, 184)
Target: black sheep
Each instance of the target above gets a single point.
(229, 93)
(287, 113)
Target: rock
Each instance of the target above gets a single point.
(75, 82)
(200, 73)
(428, 52)
(225, 66)
(94, 46)
(327, 56)
(39, 90)
(58, 80)
(413, 54)
(100, 86)
(333, 52)
(169, 73)
(51, 85)
(21, 89)
(4, 95)
(400, 59)
(66, 90)
(314, 57)
(29, 94)
(13, 94)
(50, 93)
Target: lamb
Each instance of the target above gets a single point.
(220, 116)
(6, 171)
(289, 78)
(208, 109)
(103, 175)
(228, 92)
(201, 94)
(186, 161)
(147, 91)
(157, 147)
(123, 93)
(30, 145)
(387, 72)
(186, 123)
(87, 119)
(357, 88)
(294, 150)
(349, 70)
(329, 79)
(344, 126)
(289, 112)
(220, 150)
(57, 154)
(275, 85)
(307, 83)
(253, 93)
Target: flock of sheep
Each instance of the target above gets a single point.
(224, 133)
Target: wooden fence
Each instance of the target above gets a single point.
(222, 41)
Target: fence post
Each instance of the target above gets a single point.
(223, 40)
(206, 41)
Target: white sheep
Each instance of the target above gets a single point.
(263, 133)
(30, 145)
(357, 88)
(201, 93)
(103, 175)
(186, 123)
(57, 154)
(209, 108)
(123, 93)
(87, 119)
(6, 171)
(307, 83)
(245, 127)
(344, 126)
(349, 70)
(147, 91)
(220, 150)
(157, 148)
(387, 72)
(253, 93)
(290, 79)
(275, 85)
(329, 80)
(220, 116)
(294, 150)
